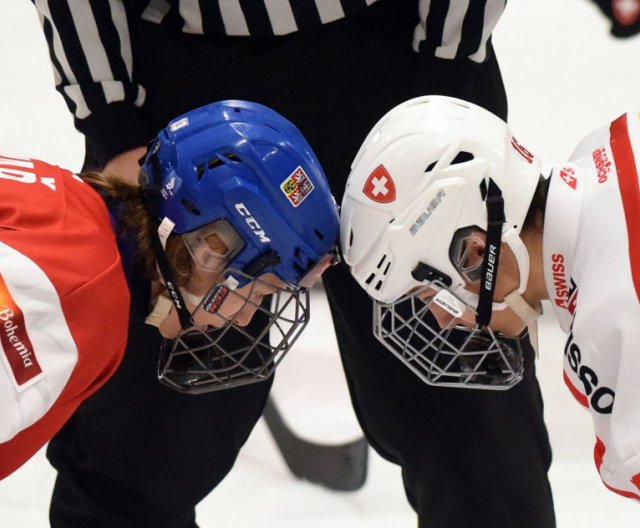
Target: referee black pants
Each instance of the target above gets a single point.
(470, 459)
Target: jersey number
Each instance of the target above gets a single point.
(23, 170)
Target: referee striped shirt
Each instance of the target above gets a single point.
(91, 53)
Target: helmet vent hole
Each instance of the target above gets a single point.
(319, 234)
(188, 205)
(386, 269)
(379, 285)
(384, 257)
(199, 171)
(462, 157)
(370, 278)
(232, 157)
(214, 162)
(483, 189)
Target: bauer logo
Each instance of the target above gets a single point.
(426, 214)
(380, 186)
(297, 186)
(18, 352)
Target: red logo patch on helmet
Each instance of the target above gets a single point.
(297, 186)
(524, 153)
(379, 186)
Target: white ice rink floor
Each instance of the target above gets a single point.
(565, 76)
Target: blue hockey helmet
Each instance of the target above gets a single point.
(241, 172)
(248, 171)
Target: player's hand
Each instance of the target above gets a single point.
(626, 17)
(125, 165)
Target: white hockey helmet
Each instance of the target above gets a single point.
(420, 180)
(417, 179)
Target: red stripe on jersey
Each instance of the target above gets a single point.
(629, 191)
(582, 399)
(598, 454)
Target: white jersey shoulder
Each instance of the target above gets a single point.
(592, 269)
(37, 350)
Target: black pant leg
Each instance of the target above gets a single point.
(138, 454)
(470, 459)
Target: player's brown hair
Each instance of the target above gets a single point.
(135, 218)
(535, 214)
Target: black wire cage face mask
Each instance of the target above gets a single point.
(206, 360)
(448, 356)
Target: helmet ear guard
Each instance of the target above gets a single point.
(425, 273)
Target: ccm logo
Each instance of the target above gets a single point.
(252, 223)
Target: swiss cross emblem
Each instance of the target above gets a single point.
(379, 186)
(568, 176)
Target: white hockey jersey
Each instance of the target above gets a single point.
(64, 303)
(591, 251)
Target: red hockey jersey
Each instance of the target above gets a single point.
(64, 303)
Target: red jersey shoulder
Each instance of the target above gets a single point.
(32, 172)
(34, 193)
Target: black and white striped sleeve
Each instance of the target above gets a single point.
(453, 41)
(90, 52)
(456, 29)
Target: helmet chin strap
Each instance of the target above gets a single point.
(514, 300)
(163, 306)
(515, 243)
(527, 314)
(214, 298)
(158, 242)
(491, 259)
(160, 234)
(494, 238)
